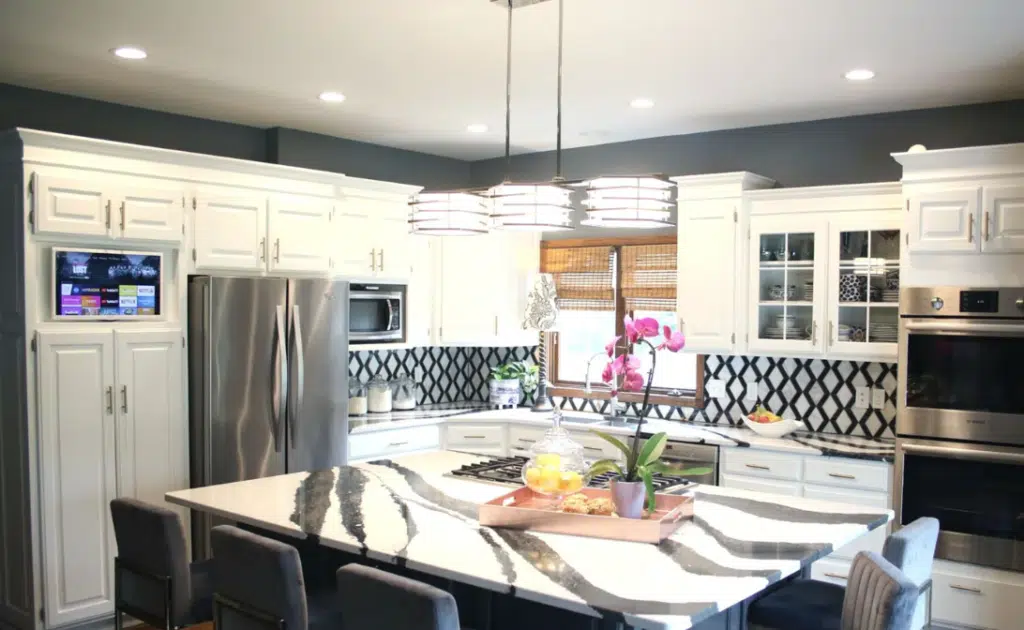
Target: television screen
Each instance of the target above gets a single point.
(106, 284)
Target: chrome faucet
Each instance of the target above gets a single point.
(613, 401)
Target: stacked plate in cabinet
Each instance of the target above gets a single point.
(884, 333)
(791, 332)
(809, 291)
(890, 295)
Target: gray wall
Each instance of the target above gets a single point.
(823, 152)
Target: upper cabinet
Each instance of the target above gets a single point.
(372, 239)
(944, 221)
(300, 228)
(72, 203)
(1002, 224)
(230, 228)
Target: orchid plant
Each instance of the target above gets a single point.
(623, 373)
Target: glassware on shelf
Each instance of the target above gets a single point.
(556, 467)
(379, 399)
(357, 400)
(403, 393)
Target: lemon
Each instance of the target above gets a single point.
(533, 477)
(570, 481)
(549, 460)
(549, 479)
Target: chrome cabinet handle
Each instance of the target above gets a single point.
(966, 589)
(831, 332)
(495, 324)
(592, 448)
(838, 576)
(984, 226)
(108, 214)
(841, 476)
(124, 399)
(122, 216)
(110, 399)
(396, 444)
(970, 228)
(814, 333)
(373, 260)
(263, 249)
(757, 466)
(380, 263)
(475, 437)
(277, 250)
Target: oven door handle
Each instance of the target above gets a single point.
(957, 328)
(960, 453)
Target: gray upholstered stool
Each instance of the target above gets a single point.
(258, 585)
(818, 605)
(372, 599)
(153, 580)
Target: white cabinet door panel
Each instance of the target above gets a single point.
(944, 221)
(231, 232)
(771, 486)
(78, 474)
(1003, 219)
(299, 231)
(391, 237)
(420, 300)
(150, 214)
(467, 305)
(152, 431)
(67, 205)
(352, 254)
(706, 293)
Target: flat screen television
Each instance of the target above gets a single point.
(104, 284)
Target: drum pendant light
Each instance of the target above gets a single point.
(628, 202)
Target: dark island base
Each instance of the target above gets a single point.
(479, 608)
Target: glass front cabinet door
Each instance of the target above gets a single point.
(864, 287)
(787, 283)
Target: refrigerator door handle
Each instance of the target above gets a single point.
(280, 390)
(300, 377)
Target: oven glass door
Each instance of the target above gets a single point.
(370, 316)
(965, 372)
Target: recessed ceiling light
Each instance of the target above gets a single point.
(129, 52)
(477, 128)
(641, 103)
(332, 97)
(859, 74)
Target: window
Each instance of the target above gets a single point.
(599, 282)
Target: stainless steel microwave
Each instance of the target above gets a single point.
(376, 313)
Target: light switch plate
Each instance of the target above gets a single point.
(751, 393)
(716, 388)
(877, 398)
(863, 398)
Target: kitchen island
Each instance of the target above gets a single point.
(408, 512)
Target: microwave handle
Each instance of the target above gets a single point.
(962, 453)
(391, 312)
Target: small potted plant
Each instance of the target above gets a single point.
(635, 479)
(509, 382)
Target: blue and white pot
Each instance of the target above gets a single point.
(506, 393)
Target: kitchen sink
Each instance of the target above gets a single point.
(587, 419)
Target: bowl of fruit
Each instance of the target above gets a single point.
(768, 424)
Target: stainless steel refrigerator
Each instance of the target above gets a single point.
(268, 380)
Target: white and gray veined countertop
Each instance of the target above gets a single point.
(726, 436)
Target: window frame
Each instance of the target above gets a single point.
(601, 391)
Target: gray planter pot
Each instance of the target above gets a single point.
(628, 497)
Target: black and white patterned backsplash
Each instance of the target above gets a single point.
(820, 393)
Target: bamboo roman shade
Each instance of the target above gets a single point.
(649, 277)
(584, 277)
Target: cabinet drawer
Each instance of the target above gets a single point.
(976, 601)
(522, 438)
(474, 435)
(873, 540)
(790, 488)
(366, 445)
(831, 570)
(762, 464)
(834, 471)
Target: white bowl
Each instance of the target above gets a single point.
(773, 429)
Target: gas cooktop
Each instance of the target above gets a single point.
(509, 471)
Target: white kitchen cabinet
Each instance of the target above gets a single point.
(944, 221)
(468, 314)
(421, 304)
(362, 446)
(977, 597)
(516, 258)
(707, 260)
(299, 229)
(390, 229)
(230, 229)
(77, 442)
(350, 256)
(772, 486)
(484, 439)
(151, 213)
(79, 206)
(373, 239)
(1002, 221)
(787, 280)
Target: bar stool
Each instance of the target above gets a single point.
(816, 605)
(258, 585)
(153, 580)
(372, 599)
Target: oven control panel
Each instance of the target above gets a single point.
(965, 302)
(979, 301)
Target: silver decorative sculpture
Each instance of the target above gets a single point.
(541, 315)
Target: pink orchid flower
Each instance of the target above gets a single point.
(625, 363)
(610, 348)
(647, 326)
(631, 332)
(674, 341)
(633, 381)
(607, 376)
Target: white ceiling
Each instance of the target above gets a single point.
(416, 72)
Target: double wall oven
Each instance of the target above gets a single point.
(960, 420)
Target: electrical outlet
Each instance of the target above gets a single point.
(877, 398)
(751, 393)
(863, 399)
(716, 388)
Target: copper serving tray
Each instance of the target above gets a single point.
(525, 509)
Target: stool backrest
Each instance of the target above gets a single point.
(878, 595)
(372, 599)
(257, 582)
(151, 559)
(912, 549)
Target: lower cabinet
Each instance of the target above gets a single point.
(111, 424)
(977, 597)
(363, 446)
(773, 486)
(484, 439)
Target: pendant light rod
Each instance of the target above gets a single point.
(508, 96)
(558, 124)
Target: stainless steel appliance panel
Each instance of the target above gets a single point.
(317, 407)
(376, 313)
(686, 455)
(977, 493)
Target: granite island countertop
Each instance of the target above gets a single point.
(723, 435)
(409, 511)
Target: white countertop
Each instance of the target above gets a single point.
(800, 442)
(408, 511)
